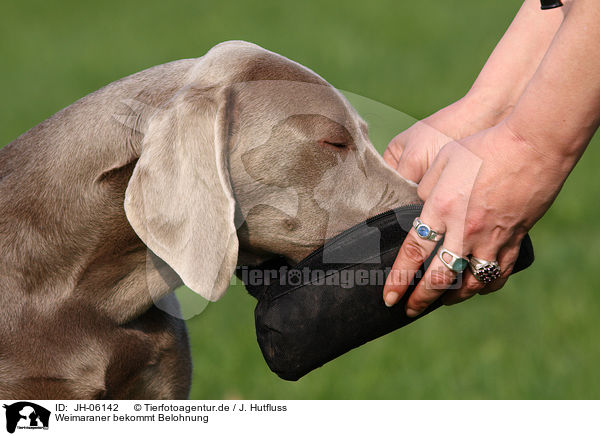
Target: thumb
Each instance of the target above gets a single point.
(412, 165)
(394, 150)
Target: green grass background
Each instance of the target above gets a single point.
(537, 338)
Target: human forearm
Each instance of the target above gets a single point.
(515, 59)
(560, 110)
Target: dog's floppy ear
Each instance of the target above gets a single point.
(179, 199)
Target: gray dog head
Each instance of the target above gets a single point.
(256, 156)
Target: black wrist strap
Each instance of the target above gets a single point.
(551, 4)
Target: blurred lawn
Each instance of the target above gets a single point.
(534, 339)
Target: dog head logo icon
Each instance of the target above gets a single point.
(26, 415)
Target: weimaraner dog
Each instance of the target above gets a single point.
(171, 176)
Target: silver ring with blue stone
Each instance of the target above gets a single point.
(426, 232)
(457, 263)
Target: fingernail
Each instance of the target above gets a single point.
(411, 313)
(391, 298)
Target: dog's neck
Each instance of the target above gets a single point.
(63, 230)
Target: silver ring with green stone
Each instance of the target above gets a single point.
(426, 232)
(457, 263)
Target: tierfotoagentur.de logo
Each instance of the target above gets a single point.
(26, 416)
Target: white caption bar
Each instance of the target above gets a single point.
(298, 417)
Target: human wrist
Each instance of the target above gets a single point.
(485, 109)
(545, 149)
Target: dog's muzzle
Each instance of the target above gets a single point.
(331, 302)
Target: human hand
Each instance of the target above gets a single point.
(484, 192)
(412, 151)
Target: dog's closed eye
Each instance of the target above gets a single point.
(335, 144)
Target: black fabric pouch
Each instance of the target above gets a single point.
(331, 302)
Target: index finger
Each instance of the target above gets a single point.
(412, 254)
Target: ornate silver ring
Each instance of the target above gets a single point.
(484, 270)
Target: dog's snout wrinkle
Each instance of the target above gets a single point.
(387, 200)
